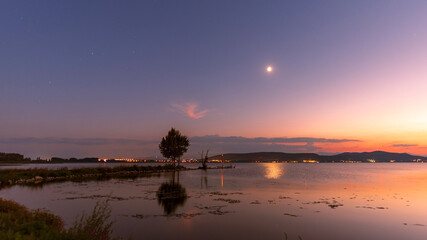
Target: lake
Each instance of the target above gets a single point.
(252, 201)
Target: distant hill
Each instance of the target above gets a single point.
(377, 156)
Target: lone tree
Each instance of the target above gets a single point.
(174, 145)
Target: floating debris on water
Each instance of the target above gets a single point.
(215, 210)
(232, 201)
(187, 215)
(418, 225)
(219, 211)
(97, 196)
(291, 215)
(218, 193)
(333, 206)
(373, 208)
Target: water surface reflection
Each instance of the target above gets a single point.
(171, 194)
(273, 170)
(253, 201)
(203, 179)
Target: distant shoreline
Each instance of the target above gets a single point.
(35, 176)
(346, 157)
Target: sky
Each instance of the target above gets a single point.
(110, 78)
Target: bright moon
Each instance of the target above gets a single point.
(269, 69)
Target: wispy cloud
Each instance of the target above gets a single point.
(236, 144)
(190, 109)
(404, 145)
(281, 140)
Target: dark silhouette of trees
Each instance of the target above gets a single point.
(13, 157)
(174, 145)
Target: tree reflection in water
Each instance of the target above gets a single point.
(171, 195)
(204, 179)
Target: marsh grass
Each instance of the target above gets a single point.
(14, 175)
(95, 226)
(18, 222)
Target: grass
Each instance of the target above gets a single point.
(7, 175)
(19, 223)
(93, 226)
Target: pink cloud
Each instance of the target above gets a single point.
(191, 110)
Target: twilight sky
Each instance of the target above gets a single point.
(110, 78)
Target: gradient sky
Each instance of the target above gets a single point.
(110, 78)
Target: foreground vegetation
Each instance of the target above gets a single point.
(42, 175)
(18, 222)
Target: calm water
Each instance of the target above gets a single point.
(253, 201)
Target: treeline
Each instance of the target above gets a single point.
(19, 158)
(13, 157)
(73, 160)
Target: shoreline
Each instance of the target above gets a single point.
(9, 177)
